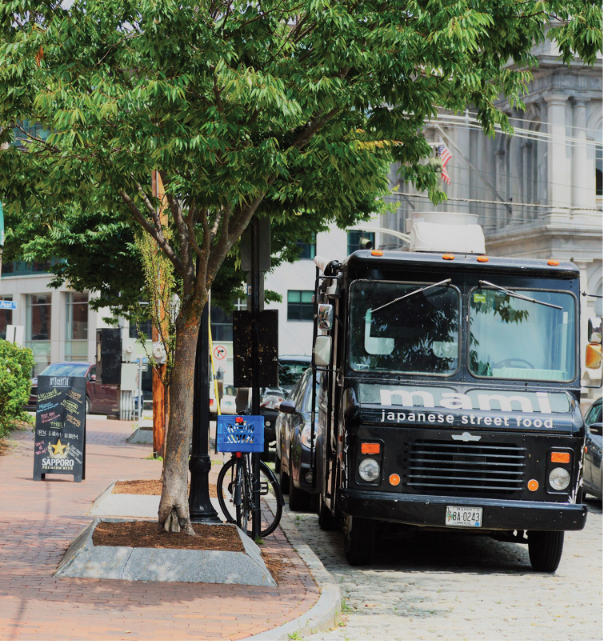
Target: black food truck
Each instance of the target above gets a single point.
(449, 397)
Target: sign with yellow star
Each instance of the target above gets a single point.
(59, 449)
(60, 432)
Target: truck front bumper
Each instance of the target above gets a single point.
(498, 515)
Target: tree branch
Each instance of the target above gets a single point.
(190, 222)
(152, 210)
(313, 126)
(159, 238)
(183, 238)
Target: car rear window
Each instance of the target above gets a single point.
(66, 370)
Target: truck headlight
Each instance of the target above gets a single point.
(369, 469)
(559, 479)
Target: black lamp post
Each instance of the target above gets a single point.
(199, 503)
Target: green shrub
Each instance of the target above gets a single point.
(16, 365)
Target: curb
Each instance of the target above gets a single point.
(102, 496)
(326, 613)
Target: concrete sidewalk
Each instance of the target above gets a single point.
(39, 520)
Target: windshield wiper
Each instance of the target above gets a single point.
(427, 287)
(519, 296)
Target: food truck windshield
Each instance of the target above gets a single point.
(513, 338)
(413, 328)
(404, 327)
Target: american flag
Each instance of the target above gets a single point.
(444, 153)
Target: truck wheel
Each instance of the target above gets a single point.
(326, 521)
(359, 540)
(545, 548)
(299, 500)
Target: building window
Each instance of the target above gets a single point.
(33, 129)
(142, 327)
(299, 305)
(599, 169)
(308, 250)
(37, 329)
(359, 240)
(221, 324)
(6, 317)
(76, 336)
(24, 268)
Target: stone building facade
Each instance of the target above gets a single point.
(537, 194)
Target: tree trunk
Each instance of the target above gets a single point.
(173, 507)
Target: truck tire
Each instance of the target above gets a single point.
(359, 540)
(545, 548)
(326, 521)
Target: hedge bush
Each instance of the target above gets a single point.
(16, 366)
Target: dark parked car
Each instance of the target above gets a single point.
(293, 435)
(593, 472)
(290, 370)
(100, 398)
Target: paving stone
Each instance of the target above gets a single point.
(460, 587)
(39, 520)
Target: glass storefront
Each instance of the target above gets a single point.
(76, 335)
(37, 328)
(6, 317)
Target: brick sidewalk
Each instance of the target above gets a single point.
(38, 521)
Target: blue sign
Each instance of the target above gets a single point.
(8, 305)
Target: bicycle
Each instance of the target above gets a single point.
(235, 493)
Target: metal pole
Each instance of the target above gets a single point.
(199, 503)
(255, 388)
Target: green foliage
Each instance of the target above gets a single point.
(16, 365)
(289, 109)
(98, 249)
(298, 105)
(293, 109)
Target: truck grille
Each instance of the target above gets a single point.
(440, 466)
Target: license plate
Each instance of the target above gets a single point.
(464, 516)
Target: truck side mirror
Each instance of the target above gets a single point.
(322, 350)
(325, 316)
(594, 330)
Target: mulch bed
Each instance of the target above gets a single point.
(149, 535)
(276, 566)
(147, 487)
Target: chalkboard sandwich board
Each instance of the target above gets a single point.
(60, 435)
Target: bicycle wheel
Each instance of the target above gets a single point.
(236, 509)
(268, 486)
(245, 507)
(226, 488)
